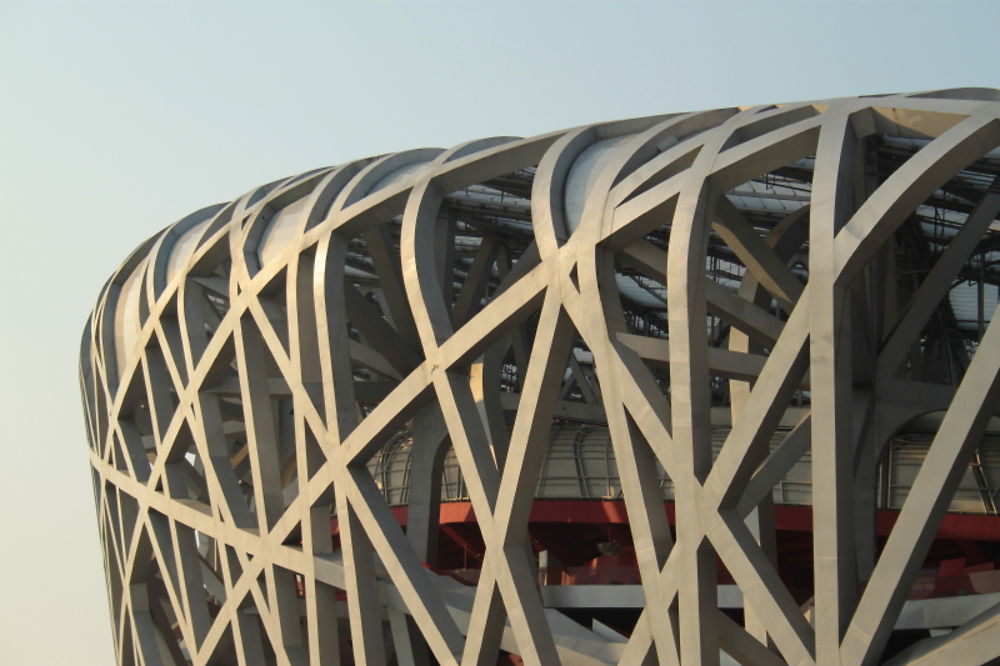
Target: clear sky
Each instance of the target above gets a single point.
(119, 118)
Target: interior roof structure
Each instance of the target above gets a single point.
(793, 280)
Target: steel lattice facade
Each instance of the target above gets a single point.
(787, 280)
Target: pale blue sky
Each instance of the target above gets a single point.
(119, 118)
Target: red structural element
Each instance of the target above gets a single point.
(787, 518)
(588, 542)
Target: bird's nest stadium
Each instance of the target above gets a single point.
(697, 388)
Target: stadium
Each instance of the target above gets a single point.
(699, 388)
